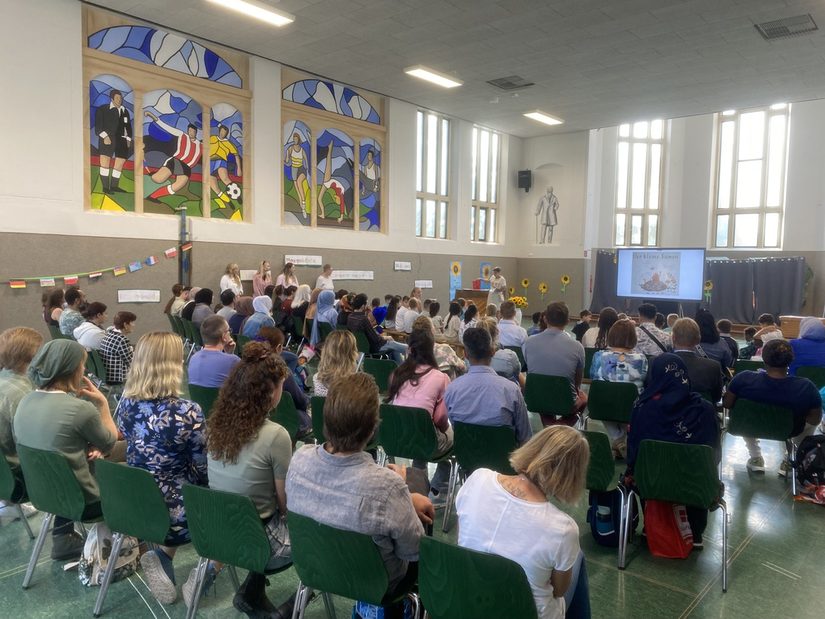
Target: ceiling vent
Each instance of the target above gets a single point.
(788, 27)
(511, 82)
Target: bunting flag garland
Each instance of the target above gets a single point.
(72, 280)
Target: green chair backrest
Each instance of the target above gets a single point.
(406, 432)
(455, 583)
(486, 447)
(240, 342)
(746, 364)
(54, 331)
(6, 480)
(286, 415)
(380, 369)
(172, 323)
(519, 353)
(308, 327)
(192, 332)
(341, 327)
(179, 328)
(758, 420)
(588, 360)
(324, 329)
(334, 561)
(91, 366)
(132, 502)
(814, 373)
(205, 396)
(50, 483)
(361, 342)
(601, 471)
(548, 395)
(607, 401)
(316, 404)
(99, 365)
(226, 527)
(677, 473)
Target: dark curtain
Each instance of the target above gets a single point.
(732, 295)
(778, 285)
(604, 283)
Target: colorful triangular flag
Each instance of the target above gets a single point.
(46, 281)
(186, 247)
(70, 280)
(135, 266)
(17, 283)
(118, 271)
(95, 275)
(151, 261)
(171, 252)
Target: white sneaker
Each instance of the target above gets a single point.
(756, 465)
(10, 512)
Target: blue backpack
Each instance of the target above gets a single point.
(604, 516)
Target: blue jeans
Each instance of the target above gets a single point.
(396, 349)
(577, 597)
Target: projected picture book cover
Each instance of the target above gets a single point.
(655, 273)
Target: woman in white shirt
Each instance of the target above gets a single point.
(470, 320)
(231, 279)
(287, 277)
(453, 323)
(511, 516)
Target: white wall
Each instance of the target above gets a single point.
(42, 166)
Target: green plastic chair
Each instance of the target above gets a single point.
(224, 527)
(205, 396)
(7, 487)
(380, 370)
(678, 473)
(56, 334)
(99, 365)
(486, 447)
(588, 360)
(742, 365)
(180, 329)
(408, 432)
(55, 491)
(548, 395)
(240, 342)
(172, 324)
(308, 322)
(193, 334)
(337, 562)
(815, 374)
(132, 505)
(764, 421)
(608, 401)
(316, 404)
(324, 329)
(361, 342)
(459, 583)
(519, 353)
(287, 415)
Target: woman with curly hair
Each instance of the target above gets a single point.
(249, 455)
(339, 358)
(165, 435)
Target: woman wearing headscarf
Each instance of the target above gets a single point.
(325, 312)
(667, 410)
(809, 347)
(261, 318)
(66, 413)
(298, 308)
(243, 310)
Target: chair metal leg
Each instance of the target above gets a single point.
(328, 605)
(791, 447)
(448, 508)
(38, 547)
(622, 517)
(724, 509)
(233, 573)
(416, 602)
(301, 599)
(117, 542)
(24, 520)
(203, 563)
(625, 534)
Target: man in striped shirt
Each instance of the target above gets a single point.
(186, 156)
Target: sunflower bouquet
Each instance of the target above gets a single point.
(520, 302)
(543, 288)
(565, 280)
(525, 283)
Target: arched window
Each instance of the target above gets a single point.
(226, 164)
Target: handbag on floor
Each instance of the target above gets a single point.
(97, 554)
(604, 516)
(668, 530)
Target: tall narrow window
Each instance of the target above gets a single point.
(639, 161)
(751, 160)
(485, 158)
(432, 175)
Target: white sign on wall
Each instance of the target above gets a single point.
(423, 283)
(402, 266)
(138, 296)
(248, 273)
(304, 261)
(361, 275)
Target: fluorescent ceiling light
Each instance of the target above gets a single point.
(779, 106)
(728, 112)
(435, 77)
(544, 118)
(258, 10)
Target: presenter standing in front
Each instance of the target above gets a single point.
(498, 288)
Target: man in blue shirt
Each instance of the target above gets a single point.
(210, 366)
(481, 396)
(774, 386)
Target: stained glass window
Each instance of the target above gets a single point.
(331, 97)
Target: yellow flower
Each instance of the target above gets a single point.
(565, 279)
(708, 285)
(456, 268)
(525, 283)
(543, 288)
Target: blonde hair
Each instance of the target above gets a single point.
(230, 270)
(491, 310)
(490, 326)
(17, 348)
(157, 367)
(338, 356)
(423, 322)
(556, 461)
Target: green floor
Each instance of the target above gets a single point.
(776, 548)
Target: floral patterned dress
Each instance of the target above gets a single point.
(167, 438)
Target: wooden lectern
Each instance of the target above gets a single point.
(478, 297)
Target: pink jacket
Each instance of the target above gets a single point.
(427, 394)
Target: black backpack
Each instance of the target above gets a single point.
(604, 522)
(810, 460)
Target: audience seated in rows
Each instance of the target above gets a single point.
(436, 318)
(90, 333)
(179, 297)
(249, 455)
(325, 313)
(358, 322)
(344, 308)
(661, 322)
(505, 362)
(210, 366)
(809, 347)
(53, 307)
(724, 327)
(751, 344)
(538, 326)
(261, 318)
(298, 308)
(582, 326)
(513, 516)
(203, 307)
(510, 332)
(71, 318)
(17, 348)
(418, 382)
(706, 374)
(66, 414)
(619, 364)
(227, 309)
(338, 484)
(115, 348)
(491, 311)
(468, 321)
(768, 329)
(553, 352)
(670, 410)
(275, 338)
(243, 310)
(481, 396)
(413, 312)
(597, 338)
(711, 343)
(651, 340)
(671, 320)
(452, 326)
(774, 386)
(446, 358)
(338, 360)
(392, 312)
(189, 306)
(165, 435)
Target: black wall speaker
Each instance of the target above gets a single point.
(525, 179)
